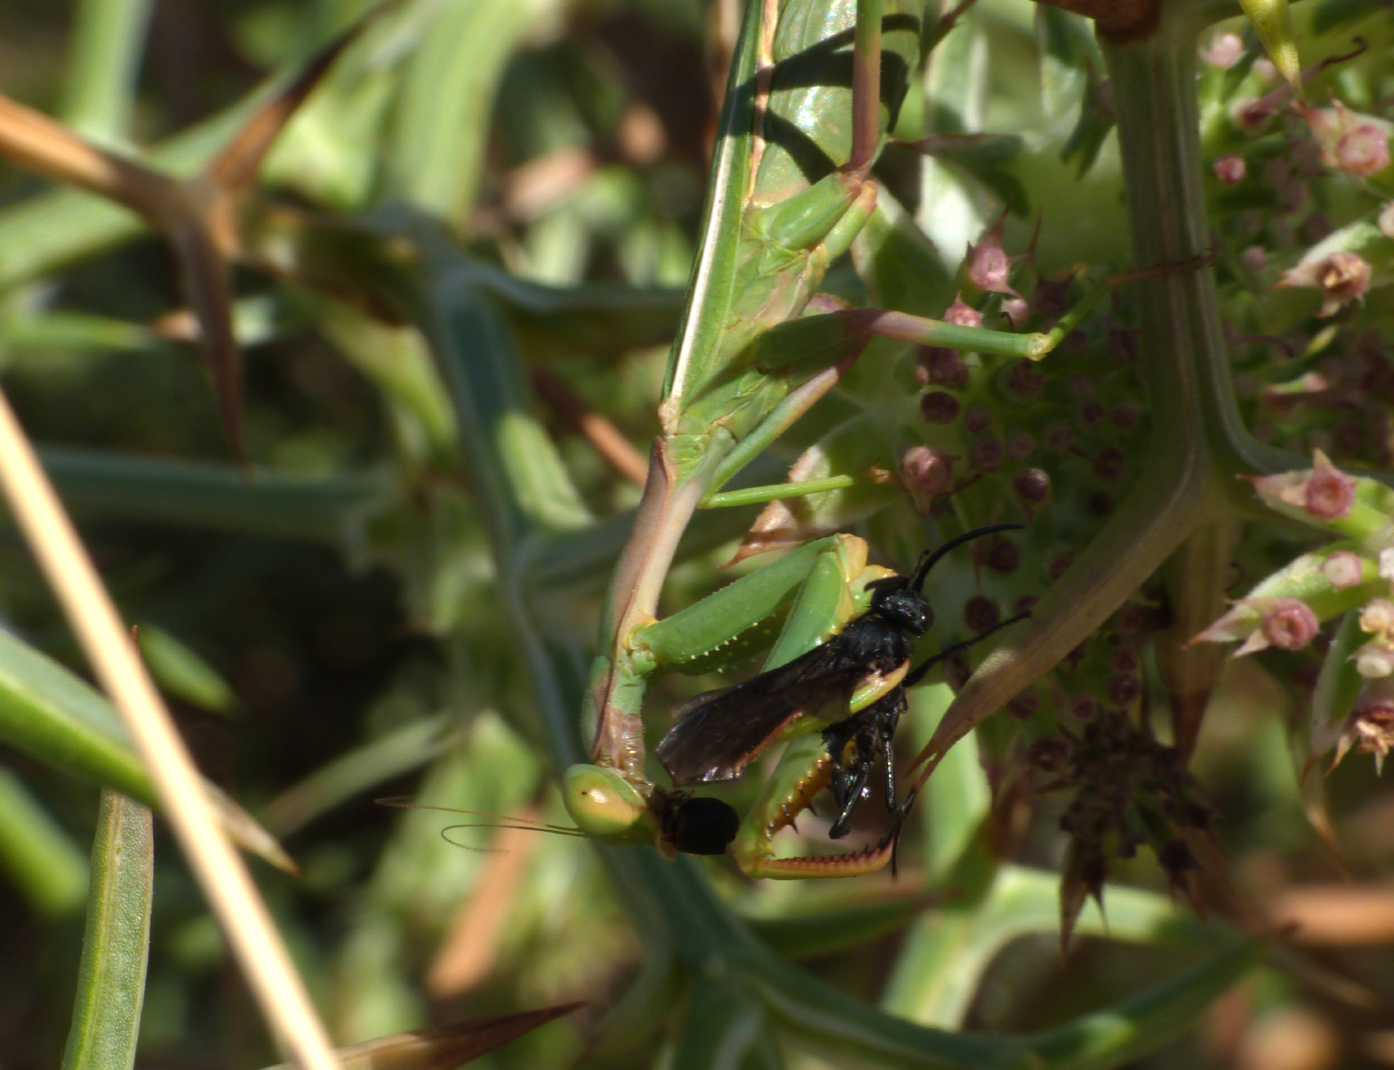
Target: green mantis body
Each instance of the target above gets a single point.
(754, 352)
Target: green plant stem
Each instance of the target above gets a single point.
(107, 41)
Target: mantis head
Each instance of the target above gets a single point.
(606, 805)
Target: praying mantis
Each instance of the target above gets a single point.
(758, 346)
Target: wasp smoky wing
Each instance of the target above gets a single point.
(719, 733)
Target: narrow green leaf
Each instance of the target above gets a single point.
(435, 157)
(379, 760)
(725, 1021)
(111, 977)
(1273, 23)
(258, 501)
(183, 673)
(37, 854)
(55, 717)
(1120, 1034)
(840, 919)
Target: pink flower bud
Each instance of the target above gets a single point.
(1024, 379)
(1224, 51)
(946, 368)
(926, 474)
(980, 613)
(1084, 708)
(1329, 493)
(1110, 463)
(1363, 151)
(1344, 569)
(939, 408)
(989, 266)
(1020, 445)
(1254, 258)
(1126, 416)
(987, 454)
(1253, 114)
(1386, 220)
(1347, 141)
(961, 315)
(1290, 624)
(1032, 485)
(1231, 170)
(1059, 437)
(1017, 310)
(1003, 556)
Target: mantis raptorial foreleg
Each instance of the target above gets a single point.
(750, 360)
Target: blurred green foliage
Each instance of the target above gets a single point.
(332, 623)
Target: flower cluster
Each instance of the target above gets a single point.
(1351, 579)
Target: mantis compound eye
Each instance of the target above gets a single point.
(700, 826)
(603, 803)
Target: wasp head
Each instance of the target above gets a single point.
(896, 602)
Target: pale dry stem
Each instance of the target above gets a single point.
(106, 642)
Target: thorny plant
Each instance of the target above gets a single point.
(1149, 417)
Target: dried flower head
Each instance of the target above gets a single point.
(1370, 727)
(1377, 619)
(1374, 661)
(1342, 277)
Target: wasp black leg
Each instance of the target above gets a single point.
(848, 794)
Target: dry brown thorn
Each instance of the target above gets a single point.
(606, 439)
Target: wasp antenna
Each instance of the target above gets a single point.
(931, 558)
(915, 675)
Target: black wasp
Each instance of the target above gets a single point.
(719, 733)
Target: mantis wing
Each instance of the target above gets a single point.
(719, 733)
